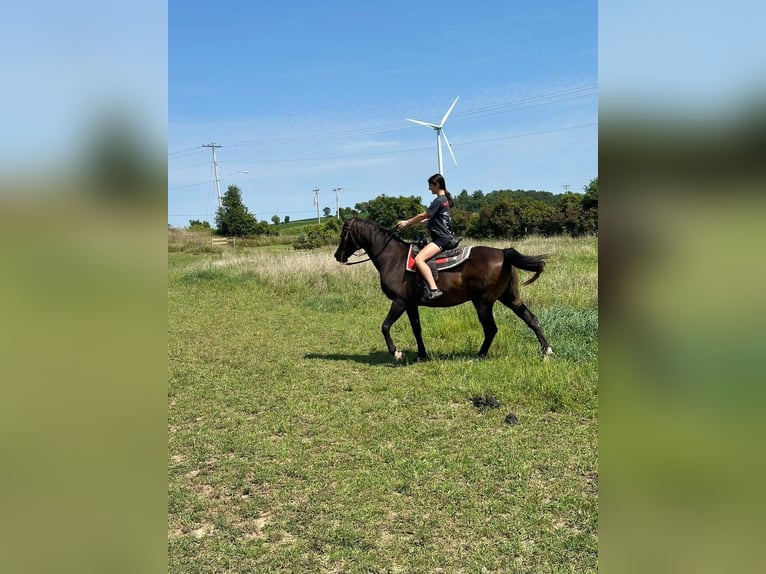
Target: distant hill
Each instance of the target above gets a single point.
(295, 227)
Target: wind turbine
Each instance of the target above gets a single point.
(440, 134)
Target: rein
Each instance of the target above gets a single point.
(356, 262)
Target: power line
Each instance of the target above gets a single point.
(485, 111)
(180, 151)
(391, 152)
(289, 211)
(186, 167)
(458, 117)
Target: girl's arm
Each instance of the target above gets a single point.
(404, 223)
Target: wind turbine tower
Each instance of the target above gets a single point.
(316, 202)
(439, 128)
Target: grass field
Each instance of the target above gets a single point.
(297, 445)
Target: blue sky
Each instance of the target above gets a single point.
(306, 95)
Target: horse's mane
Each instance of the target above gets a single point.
(378, 228)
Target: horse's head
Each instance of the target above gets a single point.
(347, 245)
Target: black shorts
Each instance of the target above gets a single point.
(442, 242)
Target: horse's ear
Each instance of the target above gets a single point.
(343, 218)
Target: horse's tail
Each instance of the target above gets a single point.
(533, 263)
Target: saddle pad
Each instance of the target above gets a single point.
(442, 260)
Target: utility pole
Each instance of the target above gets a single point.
(316, 202)
(337, 208)
(215, 168)
(566, 187)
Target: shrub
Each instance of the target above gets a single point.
(319, 235)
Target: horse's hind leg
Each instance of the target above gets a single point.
(510, 298)
(487, 319)
(529, 318)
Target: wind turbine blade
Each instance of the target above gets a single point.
(449, 145)
(422, 123)
(449, 111)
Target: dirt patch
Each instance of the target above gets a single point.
(253, 527)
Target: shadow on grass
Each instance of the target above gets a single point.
(385, 358)
(374, 358)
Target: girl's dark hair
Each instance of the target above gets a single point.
(438, 179)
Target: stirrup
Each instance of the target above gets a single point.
(433, 294)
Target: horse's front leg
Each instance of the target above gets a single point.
(396, 310)
(414, 316)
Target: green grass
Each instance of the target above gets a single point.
(297, 445)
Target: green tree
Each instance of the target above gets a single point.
(470, 202)
(287, 219)
(464, 222)
(590, 199)
(533, 217)
(462, 200)
(275, 219)
(497, 220)
(197, 225)
(327, 211)
(233, 219)
(387, 210)
(511, 217)
(590, 207)
(569, 214)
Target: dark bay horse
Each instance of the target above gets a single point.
(488, 275)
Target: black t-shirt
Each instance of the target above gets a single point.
(439, 219)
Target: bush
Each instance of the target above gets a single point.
(319, 235)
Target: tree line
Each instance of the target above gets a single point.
(498, 214)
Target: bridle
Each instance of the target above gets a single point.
(345, 241)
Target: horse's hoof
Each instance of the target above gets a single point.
(547, 353)
(420, 359)
(398, 356)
